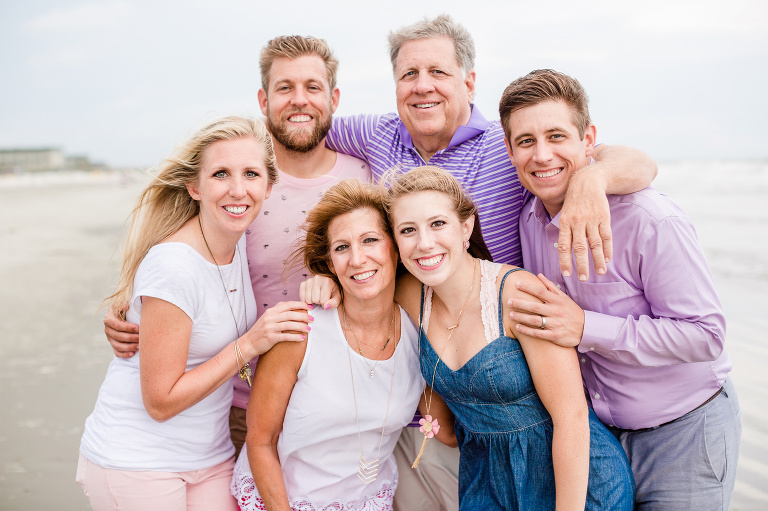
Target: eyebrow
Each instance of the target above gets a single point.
(550, 130)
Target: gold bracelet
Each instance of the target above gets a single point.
(245, 371)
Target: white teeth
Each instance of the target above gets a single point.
(432, 261)
(300, 118)
(236, 210)
(363, 276)
(425, 105)
(548, 174)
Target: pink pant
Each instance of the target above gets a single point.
(125, 490)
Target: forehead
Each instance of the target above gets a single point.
(543, 116)
(246, 151)
(434, 51)
(355, 222)
(426, 203)
(304, 68)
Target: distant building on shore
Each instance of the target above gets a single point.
(42, 159)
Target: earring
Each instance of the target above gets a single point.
(466, 244)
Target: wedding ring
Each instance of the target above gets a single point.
(543, 323)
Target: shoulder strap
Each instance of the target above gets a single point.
(501, 292)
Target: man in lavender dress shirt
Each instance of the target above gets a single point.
(650, 331)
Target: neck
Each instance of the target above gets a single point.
(316, 162)
(369, 312)
(427, 147)
(217, 247)
(454, 291)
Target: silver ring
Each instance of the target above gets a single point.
(543, 323)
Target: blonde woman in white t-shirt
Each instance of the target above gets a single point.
(158, 437)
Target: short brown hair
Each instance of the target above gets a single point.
(430, 178)
(293, 46)
(545, 85)
(314, 250)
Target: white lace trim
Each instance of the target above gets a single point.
(489, 308)
(243, 488)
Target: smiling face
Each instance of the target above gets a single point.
(433, 95)
(299, 102)
(363, 256)
(545, 147)
(232, 185)
(430, 235)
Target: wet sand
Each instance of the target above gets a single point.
(58, 260)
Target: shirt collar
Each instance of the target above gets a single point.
(540, 213)
(476, 125)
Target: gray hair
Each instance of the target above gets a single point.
(442, 26)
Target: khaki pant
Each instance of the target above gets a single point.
(434, 484)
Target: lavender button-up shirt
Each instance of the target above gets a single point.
(652, 348)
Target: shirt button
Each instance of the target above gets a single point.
(597, 396)
(583, 360)
(554, 244)
(591, 348)
(558, 286)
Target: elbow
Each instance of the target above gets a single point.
(157, 410)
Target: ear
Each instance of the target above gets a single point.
(467, 226)
(262, 94)
(194, 190)
(469, 81)
(590, 136)
(509, 151)
(335, 99)
(269, 191)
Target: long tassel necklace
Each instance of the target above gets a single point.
(359, 350)
(368, 470)
(428, 426)
(244, 371)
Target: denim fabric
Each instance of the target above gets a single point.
(505, 434)
(690, 463)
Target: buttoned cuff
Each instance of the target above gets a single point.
(601, 333)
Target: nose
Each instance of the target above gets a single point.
(543, 153)
(357, 256)
(423, 84)
(237, 187)
(425, 241)
(299, 97)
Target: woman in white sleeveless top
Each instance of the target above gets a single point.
(325, 414)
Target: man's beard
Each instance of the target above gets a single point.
(298, 140)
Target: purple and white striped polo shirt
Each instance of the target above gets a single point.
(476, 156)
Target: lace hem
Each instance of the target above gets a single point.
(243, 488)
(489, 303)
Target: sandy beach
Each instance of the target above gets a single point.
(59, 258)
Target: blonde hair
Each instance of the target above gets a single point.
(293, 46)
(314, 249)
(165, 204)
(430, 178)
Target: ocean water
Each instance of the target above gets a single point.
(58, 234)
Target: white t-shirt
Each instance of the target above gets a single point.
(120, 434)
(319, 448)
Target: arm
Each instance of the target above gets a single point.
(585, 220)
(557, 378)
(123, 336)
(684, 321)
(350, 135)
(275, 378)
(166, 387)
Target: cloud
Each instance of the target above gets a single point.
(83, 17)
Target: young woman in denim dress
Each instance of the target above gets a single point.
(528, 440)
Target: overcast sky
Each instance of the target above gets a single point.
(123, 81)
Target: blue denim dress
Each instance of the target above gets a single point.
(505, 433)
